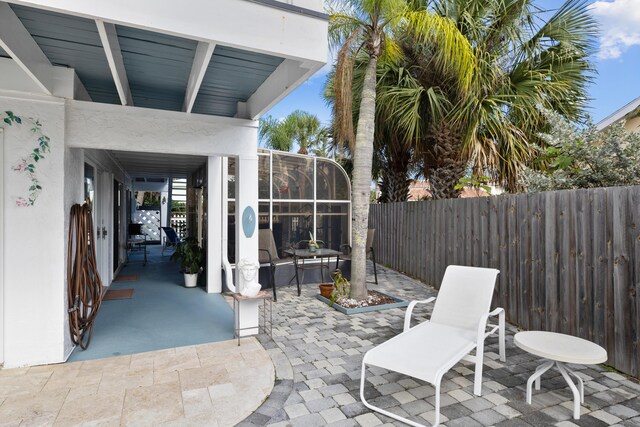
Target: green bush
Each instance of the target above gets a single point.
(584, 158)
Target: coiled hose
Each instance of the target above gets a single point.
(84, 287)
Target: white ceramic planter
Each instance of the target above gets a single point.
(190, 280)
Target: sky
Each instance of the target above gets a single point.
(617, 63)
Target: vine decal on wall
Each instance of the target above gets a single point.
(27, 164)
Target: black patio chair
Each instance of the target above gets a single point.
(268, 256)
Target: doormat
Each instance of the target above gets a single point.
(126, 278)
(118, 294)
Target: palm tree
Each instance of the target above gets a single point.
(306, 130)
(525, 65)
(275, 134)
(366, 26)
(299, 127)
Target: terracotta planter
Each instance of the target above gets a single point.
(326, 289)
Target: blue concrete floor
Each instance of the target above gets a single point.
(161, 314)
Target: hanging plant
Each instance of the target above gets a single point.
(27, 164)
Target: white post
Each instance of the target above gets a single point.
(214, 225)
(2, 297)
(247, 232)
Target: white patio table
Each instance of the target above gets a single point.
(560, 349)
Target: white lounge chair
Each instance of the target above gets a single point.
(458, 324)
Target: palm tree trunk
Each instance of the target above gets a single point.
(448, 166)
(361, 181)
(394, 174)
(396, 186)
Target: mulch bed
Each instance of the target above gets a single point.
(374, 298)
(112, 294)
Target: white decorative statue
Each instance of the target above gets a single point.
(249, 286)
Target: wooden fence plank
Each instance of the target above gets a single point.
(524, 259)
(621, 279)
(634, 234)
(536, 285)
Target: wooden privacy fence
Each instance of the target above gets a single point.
(569, 260)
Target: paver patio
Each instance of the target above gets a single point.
(325, 349)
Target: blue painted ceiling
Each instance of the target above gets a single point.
(232, 76)
(72, 42)
(157, 65)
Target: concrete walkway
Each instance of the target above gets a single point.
(162, 313)
(215, 384)
(325, 349)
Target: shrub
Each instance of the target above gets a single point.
(584, 158)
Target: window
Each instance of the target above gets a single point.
(298, 195)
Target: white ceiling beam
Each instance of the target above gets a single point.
(289, 75)
(111, 45)
(18, 43)
(204, 51)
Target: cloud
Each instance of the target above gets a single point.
(620, 26)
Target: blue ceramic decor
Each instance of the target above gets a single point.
(248, 221)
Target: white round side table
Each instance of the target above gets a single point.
(560, 349)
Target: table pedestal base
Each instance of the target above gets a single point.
(578, 393)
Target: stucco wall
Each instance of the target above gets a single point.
(34, 239)
(93, 125)
(73, 193)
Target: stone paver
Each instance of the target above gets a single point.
(325, 348)
(178, 386)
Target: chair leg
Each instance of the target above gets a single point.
(390, 414)
(273, 282)
(477, 381)
(437, 406)
(501, 340)
(375, 273)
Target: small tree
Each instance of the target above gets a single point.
(584, 158)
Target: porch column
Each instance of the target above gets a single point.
(247, 231)
(214, 224)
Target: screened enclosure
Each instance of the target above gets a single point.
(298, 195)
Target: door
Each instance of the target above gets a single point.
(117, 223)
(104, 220)
(97, 185)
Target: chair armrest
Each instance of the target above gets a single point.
(497, 312)
(345, 245)
(482, 326)
(407, 315)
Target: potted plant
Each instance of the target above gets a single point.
(326, 289)
(312, 245)
(339, 288)
(191, 260)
